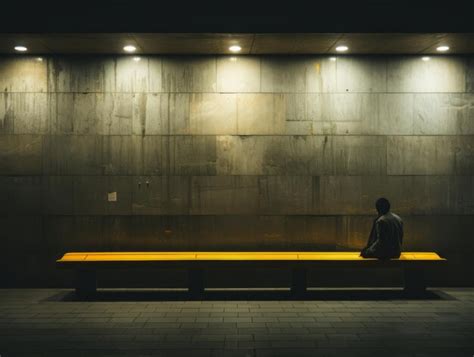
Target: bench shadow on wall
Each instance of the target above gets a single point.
(252, 294)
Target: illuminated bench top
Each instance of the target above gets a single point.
(77, 257)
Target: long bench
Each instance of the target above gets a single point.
(86, 265)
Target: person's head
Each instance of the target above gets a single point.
(382, 205)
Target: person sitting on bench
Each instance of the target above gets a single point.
(386, 236)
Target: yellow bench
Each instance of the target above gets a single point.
(87, 263)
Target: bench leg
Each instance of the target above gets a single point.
(415, 283)
(86, 283)
(196, 282)
(298, 281)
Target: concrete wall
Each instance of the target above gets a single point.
(238, 153)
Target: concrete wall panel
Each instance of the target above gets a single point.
(20, 195)
(24, 113)
(224, 195)
(90, 195)
(439, 74)
(122, 155)
(189, 74)
(444, 114)
(57, 195)
(191, 155)
(122, 187)
(282, 75)
(260, 114)
(429, 155)
(81, 74)
(361, 74)
(161, 195)
(150, 114)
(213, 114)
(23, 74)
(285, 195)
(21, 154)
(73, 155)
(238, 74)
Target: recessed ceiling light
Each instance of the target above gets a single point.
(442, 48)
(342, 48)
(235, 48)
(425, 58)
(21, 48)
(136, 59)
(332, 59)
(129, 48)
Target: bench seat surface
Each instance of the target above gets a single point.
(76, 257)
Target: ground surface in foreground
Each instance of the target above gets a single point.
(333, 323)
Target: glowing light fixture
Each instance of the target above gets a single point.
(342, 48)
(332, 59)
(136, 59)
(425, 58)
(21, 48)
(235, 48)
(442, 48)
(130, 48)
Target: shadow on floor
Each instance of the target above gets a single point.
(248, 294)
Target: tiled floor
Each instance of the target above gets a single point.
(348, 323)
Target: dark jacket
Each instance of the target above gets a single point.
(386, 238)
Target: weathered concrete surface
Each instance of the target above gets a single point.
(161, 195)
(23, 74)
(213, 114)
(20, 195)
(260, 114)
(209, 152)
(430, 155)
(286, 194)
(444, 114)
(224, 195)
(72, 155)
(24, 113)
(301, 155)
(189, 74)
(300, 75)
(238, 74)
(439, 74)
(361, 74)
(21, 154)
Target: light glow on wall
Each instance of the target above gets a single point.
(425, 58)
(136, 58)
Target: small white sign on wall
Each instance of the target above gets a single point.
(112, 196)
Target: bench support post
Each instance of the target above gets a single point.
(86, 283)
(415, 283)
(196, 282)
(298, 281)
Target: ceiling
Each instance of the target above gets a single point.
(251, 43)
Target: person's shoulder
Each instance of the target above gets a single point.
(396, 216)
